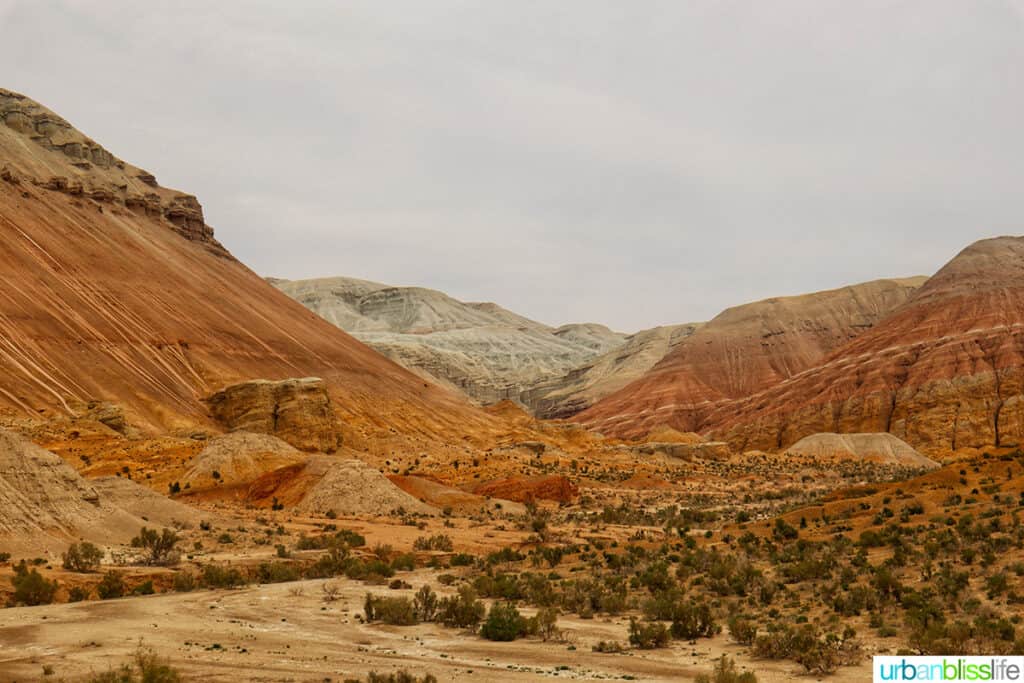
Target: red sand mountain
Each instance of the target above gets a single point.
(944, 371)
(744, 350)
(113, 288)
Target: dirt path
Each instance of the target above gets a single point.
(272, 634)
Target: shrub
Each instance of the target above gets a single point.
(30, 588)
(146, 667)
(215, 576)
(185, 582)
(393, 611)
(82, 557)
(111, 586)
(461, 611)
(78, 594)
(400, 677)
(425, 604)
(725, 672)
(438, 542)
(160, 546)
(145, 588)
(742, 630)
(504, 623)
(647, 636)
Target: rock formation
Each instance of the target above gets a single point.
(481, 349)
(942, 372)
(741, 351)
(297, 411)
(553, 487)
(582, 386)
(114, 290)
(882, 448)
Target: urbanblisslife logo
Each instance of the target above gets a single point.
(948, 669)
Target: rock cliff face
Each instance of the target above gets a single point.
(742, 351)
(297, 411)
(941, 372)
(113, 289)
(481, 349)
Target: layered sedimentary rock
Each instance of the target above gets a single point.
(552, 487)
(238, 459)
(942, 372)
(481, 349)
(744, 350)
(582, 386)
(113, 289)
(297, 411)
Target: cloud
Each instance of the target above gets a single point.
(627, 163)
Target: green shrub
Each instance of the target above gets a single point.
(146, 667)
(461, 611)
(82, 557)
(111, 586)
(440, 542)
(504, 623)
(648, 636)
(725, 672)
(160, 546)
(31, 588)
(394, 611)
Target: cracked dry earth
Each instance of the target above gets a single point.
(270, 633)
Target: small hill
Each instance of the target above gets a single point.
(880, 448)
(238, 459)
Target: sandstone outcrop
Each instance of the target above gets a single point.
(942, 372)
(744, 350)
(481, 349)
(297, 411)
(456, 500)
(882, 448)
(553, 487)
(114, 290)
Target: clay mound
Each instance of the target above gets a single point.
(554, 487)
(116, 290)
(325, 484)
(239, 459)
(509, 411)
(880, 448)
(440, 496)
(40, 492)
(45, 504)
(742, 351)
(146, 504)
(665, 434)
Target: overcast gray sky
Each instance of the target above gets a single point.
(630, 162)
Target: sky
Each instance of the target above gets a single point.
(630, 163)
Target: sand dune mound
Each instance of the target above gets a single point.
(343, 486)
(878, 447)
(441, 496)
(238, 459)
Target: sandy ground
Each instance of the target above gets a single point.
(286, 632)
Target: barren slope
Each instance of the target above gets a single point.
(482, 349)
(744, 350)
(113, 288)
(942, 372)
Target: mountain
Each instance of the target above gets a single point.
(742, 351)
(598, 377)
(113, 288)
(943, 371)
(482, 349)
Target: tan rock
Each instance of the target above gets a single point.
(297, 411)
